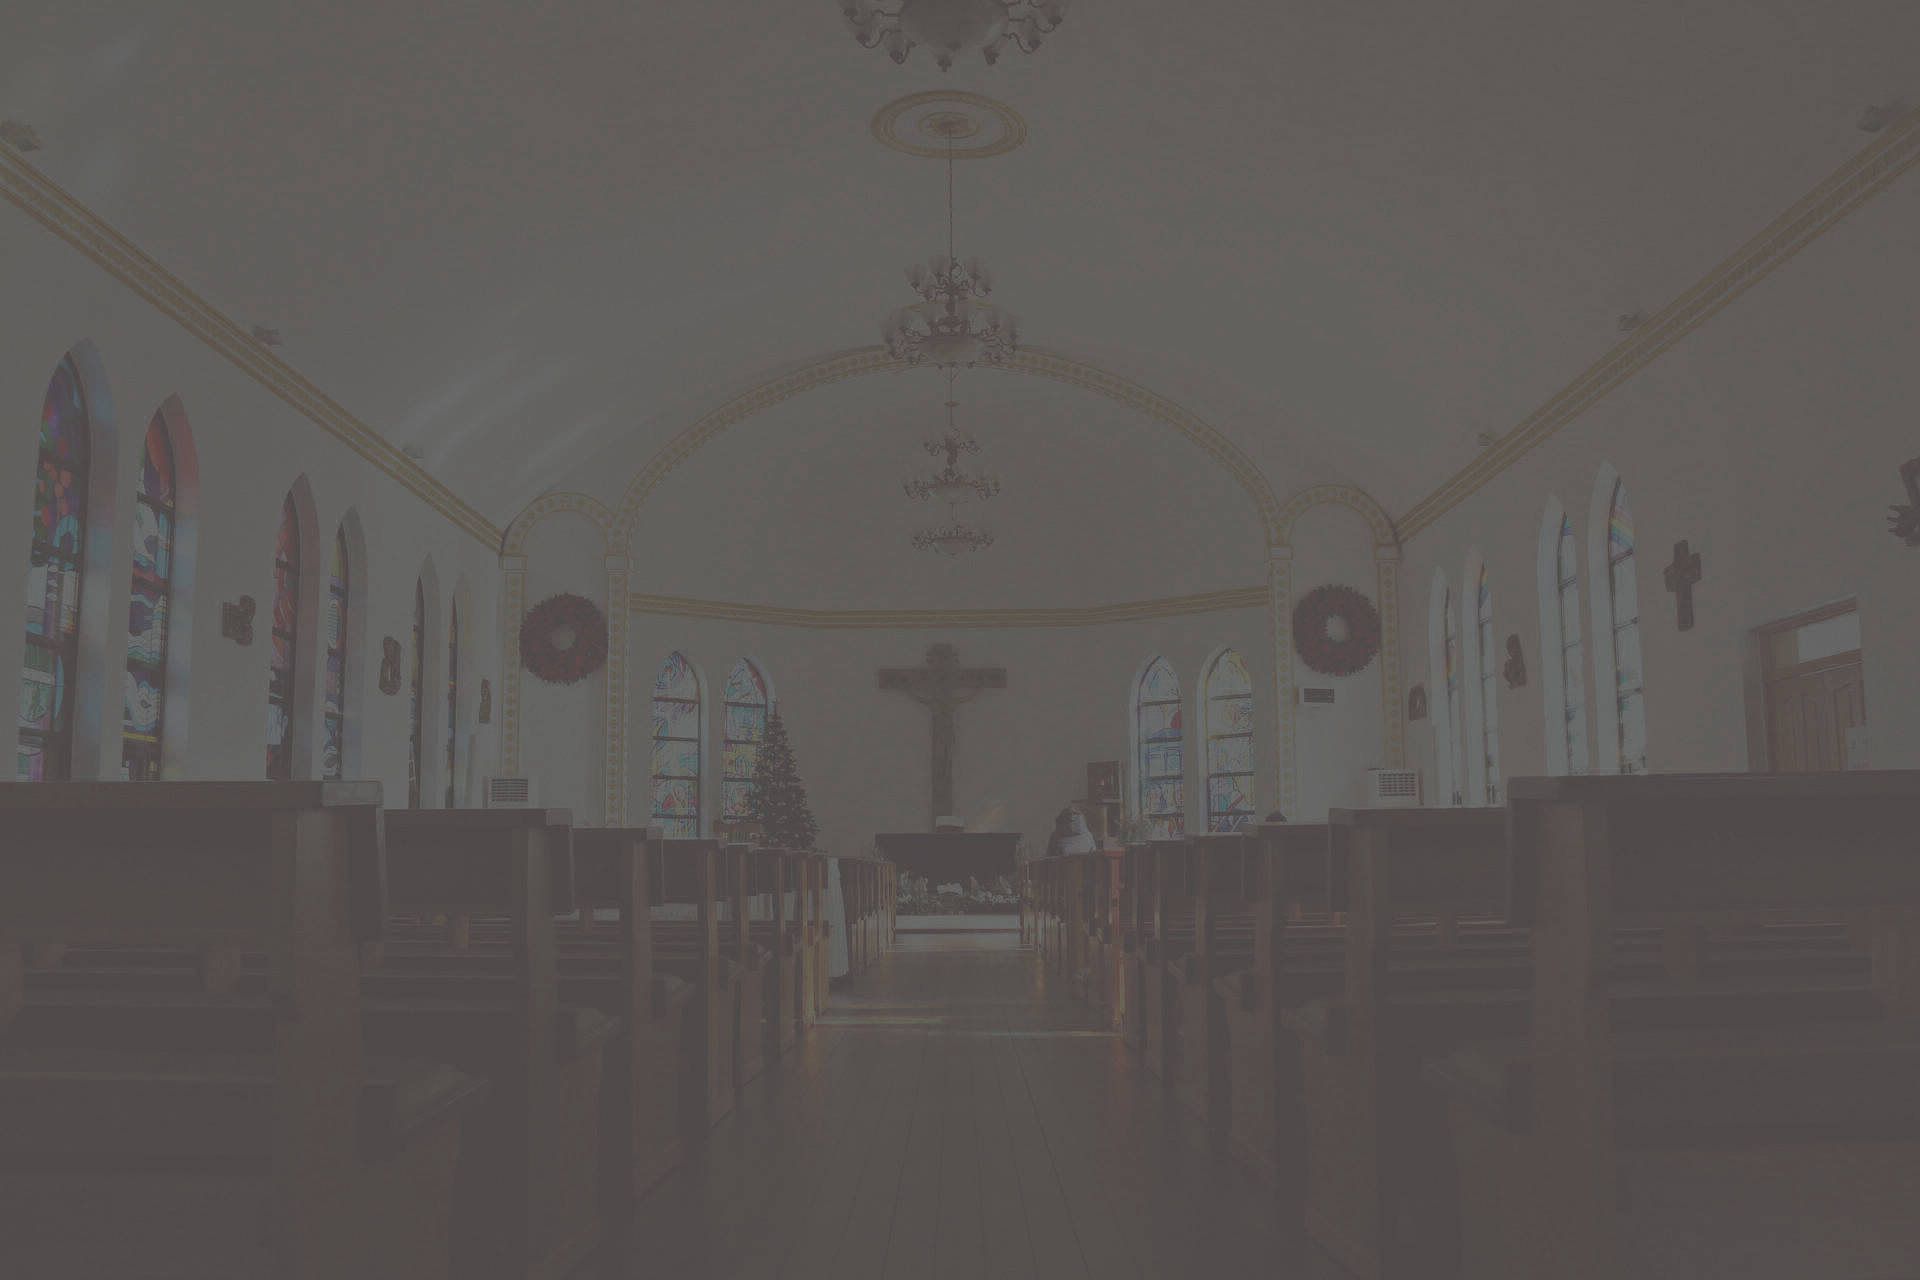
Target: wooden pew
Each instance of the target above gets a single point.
(690, 949)
(1375, 1132)
(211, 1133)
(750, 965)
(1169, 934)
(615, 868)
(1593, 1149)
(531, 1202)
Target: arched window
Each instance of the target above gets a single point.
(334, 706)
(676, 748)
(1229, 693)
(745, 710)
(53, 581)
(416, 699)
(1566, 615)
(1161, 762)
(1489, 693)
(1456, 727)
(1623, 597)
(453, 699)
(144, 705)
(284, 661)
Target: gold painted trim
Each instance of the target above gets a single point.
(1013, 129)
(47, 203)
(870, 360)
(1857, 181)
(949, 619)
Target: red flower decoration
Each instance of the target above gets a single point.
(548, 623)
(1336, 630)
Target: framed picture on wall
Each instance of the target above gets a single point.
(1103, 781)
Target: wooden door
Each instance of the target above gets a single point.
(1810, 707)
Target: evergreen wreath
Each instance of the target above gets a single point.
(540, 652)
(1325, 610)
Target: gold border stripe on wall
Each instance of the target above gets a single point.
(877, 619)
(43, 200)
(1860, 179)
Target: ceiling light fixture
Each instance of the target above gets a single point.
(951, 484)
(948, 26)
(952, 326)
(951, 539)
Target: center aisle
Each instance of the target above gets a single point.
(956, 1116)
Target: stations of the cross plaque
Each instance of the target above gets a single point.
(941, 686)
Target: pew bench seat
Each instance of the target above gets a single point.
(1763, 1153)
(117, 1161)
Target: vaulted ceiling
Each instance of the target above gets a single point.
(535, 240)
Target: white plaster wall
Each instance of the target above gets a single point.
(1770, 440)
(252, 446)
(1020, 754)
(1337, 744)
(563, 727)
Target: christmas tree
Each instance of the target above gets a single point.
(779, 801)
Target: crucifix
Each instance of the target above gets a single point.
(940, 686)
(1681, 575)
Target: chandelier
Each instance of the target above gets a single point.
(948, 26)
(950, 484)
(953, 538)
(952, 326)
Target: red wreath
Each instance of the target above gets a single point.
(552, 617)
(1312, 617)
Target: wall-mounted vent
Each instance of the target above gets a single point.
(1393, 788)
(1324, 697)
(509, 793)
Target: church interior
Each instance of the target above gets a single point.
(882, 756)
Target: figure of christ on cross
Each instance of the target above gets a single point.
(940, 686)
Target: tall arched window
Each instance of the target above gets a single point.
(333, 711)
(453, 700)
(53, 581)
(1456, 727)
(1489, 693)
(1573, 679)
(416, 700)
(745, 711)
(1161, 762)
(284, 661)
(1229, 694)
(143, 707)
(1623, 596)
(676, 748)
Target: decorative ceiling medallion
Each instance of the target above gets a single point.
(973, 125)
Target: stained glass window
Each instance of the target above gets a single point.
(676, 748)
(53, 581)
(416, 696)
(1624, 598)
(1573, 681)
(144, 702)
(1162, 764)
(334, 708)
(1229, 744)
(283, 663)
(1456, 726)
(745, 708)
(1489, 692)
(453, 693)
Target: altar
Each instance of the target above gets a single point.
(949, 857)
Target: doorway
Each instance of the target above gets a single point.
(1814, 687)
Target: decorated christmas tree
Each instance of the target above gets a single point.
(779, 801)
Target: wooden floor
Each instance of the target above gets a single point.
(956, 1116)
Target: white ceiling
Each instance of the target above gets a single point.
(536, 239)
